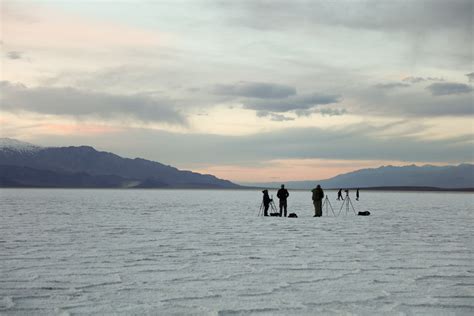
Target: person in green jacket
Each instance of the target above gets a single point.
(318, 195)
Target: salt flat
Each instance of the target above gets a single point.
(207, 252)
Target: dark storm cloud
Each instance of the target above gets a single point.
(470, 76)
(446, 88)
(259, 90)
(391, 85)
(14, 55)
(82, 103)
(295, 103)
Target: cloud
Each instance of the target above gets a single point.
(325, 111)
(446, 88)
(421, 16)
(422, 27)
(332, 112)
(77, 103)
(413, 102)
(269, 99)
(406, 82)
(391, 85)
(14, 55)
(275, 117)
(295, 103)
(259, 90)
(470, 76)
(421, 79)
(413, 79)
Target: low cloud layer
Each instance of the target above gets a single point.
(275, 117)
(446, 88)
(296, 103)
(332, 112)
(391, 85)
(412, 79)
(259, 90)
(82, 104)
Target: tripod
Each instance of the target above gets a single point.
(273, 208)
(328, 205)
(348, 204)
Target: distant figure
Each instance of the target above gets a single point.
(339, 195)
(318, 195)
(283, 195)
(266, 202)
(357, 195)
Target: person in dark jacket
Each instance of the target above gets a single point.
(266, 202)
(339, 195)
(283, 194)
(357, 195)
(318, 195)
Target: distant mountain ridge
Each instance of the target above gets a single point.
(448, 177)
(27, 165)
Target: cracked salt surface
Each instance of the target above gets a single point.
(207, 252)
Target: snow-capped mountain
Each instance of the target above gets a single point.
(26, 165)
(18, 146)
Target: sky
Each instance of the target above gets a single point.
(249, 91)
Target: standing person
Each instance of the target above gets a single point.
(283, 194)
(318, 195)
(266, 202)
(339, 195)
(357, 195)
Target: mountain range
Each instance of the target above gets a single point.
(26, 165)
(409, 177)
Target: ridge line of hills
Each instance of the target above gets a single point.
(409, 178)
(26, 165)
